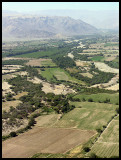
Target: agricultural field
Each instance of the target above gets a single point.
(98, 114)
(97, 58)
(108, 144)
(41, 62)
(60, 74)
(49, 138)
(60, 98)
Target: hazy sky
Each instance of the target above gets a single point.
(36, 6)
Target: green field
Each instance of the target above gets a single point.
(111, 44)
(49, 62)
(86, 115)
(60, 74)
(111, 134)
(114, 98)
(108, 143)
(97, 58)
(105, 150)
(39, 54)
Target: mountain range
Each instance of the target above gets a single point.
(101, 19)
(25, 26)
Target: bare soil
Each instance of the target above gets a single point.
(44, 140)
(82, 63)
(6, 88)
(51, 88)
(70, 55)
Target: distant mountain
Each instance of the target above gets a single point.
(44, 26)
(101, 19)
(104, 19)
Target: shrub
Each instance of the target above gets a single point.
(31, 122)
(11, 108)
(86, 149)
(5, 137)
(117, 110)
(107, 100)
(83, 99)
(90, 100)
(99, 130)
(13, 134)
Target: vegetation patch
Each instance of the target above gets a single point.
(99, 97)
(97, 114)
(111, 133)
(14, 62)
(51, 74)
(105, 150)
(97, 58)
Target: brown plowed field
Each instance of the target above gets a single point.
(44, 140)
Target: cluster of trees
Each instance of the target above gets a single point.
(24, 50)
(8, 97)
(20, 84)
(82, 57)
(14, 62)
(59, 103)
(100, 77)
(64, 62)
(36, 95)
(43, 50)
(113, 64)
(107, 100)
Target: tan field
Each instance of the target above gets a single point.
(82, 63)
(110, 58)
(87, 74)
(105, 68)
(47, 120)
(44, 140)
(113, 87)
(20, 95)
(10, 58)
(36, 62)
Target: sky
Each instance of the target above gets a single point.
(37, 6)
